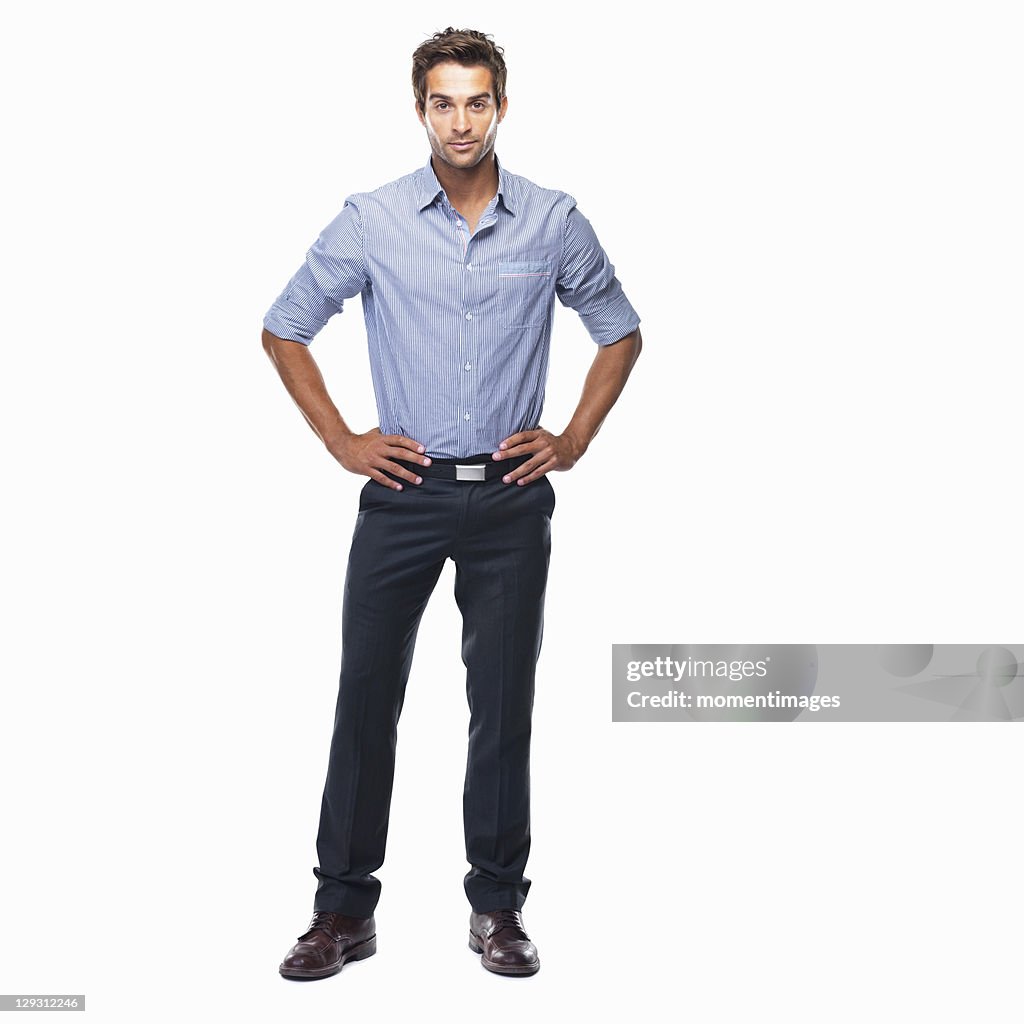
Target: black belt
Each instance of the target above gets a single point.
(474, 467)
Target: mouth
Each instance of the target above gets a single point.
(461, 145)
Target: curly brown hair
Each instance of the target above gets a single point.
(463, 46)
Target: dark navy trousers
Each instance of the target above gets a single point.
(499, 537)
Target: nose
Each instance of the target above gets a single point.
(461, 125)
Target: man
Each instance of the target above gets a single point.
(458, 265)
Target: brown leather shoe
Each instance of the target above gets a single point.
(330, 941)
(502, 939)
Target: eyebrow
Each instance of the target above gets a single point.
(442, 96)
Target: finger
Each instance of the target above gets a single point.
(540, 451)
(376, 474)
(525, 448)
(541, 470)
(528, 471)
(520, 438)
(400, 471)
(401, 441)
(397, 452)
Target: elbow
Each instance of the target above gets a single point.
(274, 346)
(283, 351)
(638, 344)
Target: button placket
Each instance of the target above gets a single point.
(467, 333)
(467, 353)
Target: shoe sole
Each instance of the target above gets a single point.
(494, 968)
(359, 952)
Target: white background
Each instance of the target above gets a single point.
(816, 209)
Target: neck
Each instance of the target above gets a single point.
(468, 184)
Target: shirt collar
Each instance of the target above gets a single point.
(430, 187)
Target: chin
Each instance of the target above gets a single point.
(461, 159)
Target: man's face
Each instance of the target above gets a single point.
(461, 116)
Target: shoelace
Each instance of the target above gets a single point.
(324, 921)
(509, 919)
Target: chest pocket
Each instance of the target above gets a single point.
(523, 293)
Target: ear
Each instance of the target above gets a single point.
(416, 107)
(502, 109)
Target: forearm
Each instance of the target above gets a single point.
(302, 378)
(605, 380)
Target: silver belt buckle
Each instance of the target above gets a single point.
(471, 472)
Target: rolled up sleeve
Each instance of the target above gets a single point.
(335, 270)
(587, 283)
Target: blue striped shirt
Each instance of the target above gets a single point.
(458, 325)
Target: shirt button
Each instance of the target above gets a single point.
(469, 316)
(469, 366)
(469, 266)
(466, 417)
